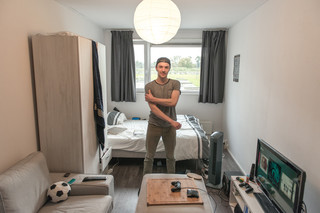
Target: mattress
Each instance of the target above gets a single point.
(191, 143)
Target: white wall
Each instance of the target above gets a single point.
(277, 97)
(18, 20)
(188, 103)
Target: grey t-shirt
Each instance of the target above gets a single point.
(162, 91)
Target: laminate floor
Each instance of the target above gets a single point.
(128, 176)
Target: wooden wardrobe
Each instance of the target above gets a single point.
(64, 94)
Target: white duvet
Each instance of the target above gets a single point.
(130, 136)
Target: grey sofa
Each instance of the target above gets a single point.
(23, 188)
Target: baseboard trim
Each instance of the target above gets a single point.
(235, 160)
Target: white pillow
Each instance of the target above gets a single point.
(115, 118)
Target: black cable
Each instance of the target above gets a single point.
(204, 190)
(215, 208)
(194, 188)
(304, 207)
(225, 200)
(110, 171)
(214, 200)
(212, 197)
(219, 194)
(221, 198)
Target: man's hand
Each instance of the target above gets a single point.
(149, 97)
(176, 125)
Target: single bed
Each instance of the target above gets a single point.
(127, 138)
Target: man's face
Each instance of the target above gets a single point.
(163, 69)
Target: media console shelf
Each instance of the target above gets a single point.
(247, 201)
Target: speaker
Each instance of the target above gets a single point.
(226, 180)
(252, 172)
(215, 160)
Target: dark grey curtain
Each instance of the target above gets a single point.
(123, 73)
(213, 60)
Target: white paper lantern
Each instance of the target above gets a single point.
(157, 21)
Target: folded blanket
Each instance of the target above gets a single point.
(116, 130)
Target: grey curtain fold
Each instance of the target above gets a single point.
(123, 73)
(213, 67)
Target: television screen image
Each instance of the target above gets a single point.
(274, 173)
(264, 163)
(288, 187)
(281, 180)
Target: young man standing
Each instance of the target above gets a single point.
(162, 96)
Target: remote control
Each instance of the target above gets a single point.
(242, 184)
(93, 178)
(248, 190)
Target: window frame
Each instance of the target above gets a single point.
(147, 58)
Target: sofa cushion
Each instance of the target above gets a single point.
(86, 188)
(23, 187)
(78, 204)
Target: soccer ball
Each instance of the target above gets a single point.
(58, 192)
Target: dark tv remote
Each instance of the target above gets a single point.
(66, 174)
(93, 178)
(249, 190)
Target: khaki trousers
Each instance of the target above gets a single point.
(168, 135)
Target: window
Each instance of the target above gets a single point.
(185, 64)
(139, 63)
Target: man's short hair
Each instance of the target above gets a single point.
(163, 59)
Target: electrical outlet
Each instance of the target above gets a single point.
(225, 144)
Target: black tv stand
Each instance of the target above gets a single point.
(247, 201)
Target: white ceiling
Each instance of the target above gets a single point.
(195, 14)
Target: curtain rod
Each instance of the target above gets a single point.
(204, 29)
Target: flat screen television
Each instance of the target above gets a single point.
(280, 179)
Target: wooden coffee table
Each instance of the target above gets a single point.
(175, 205)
